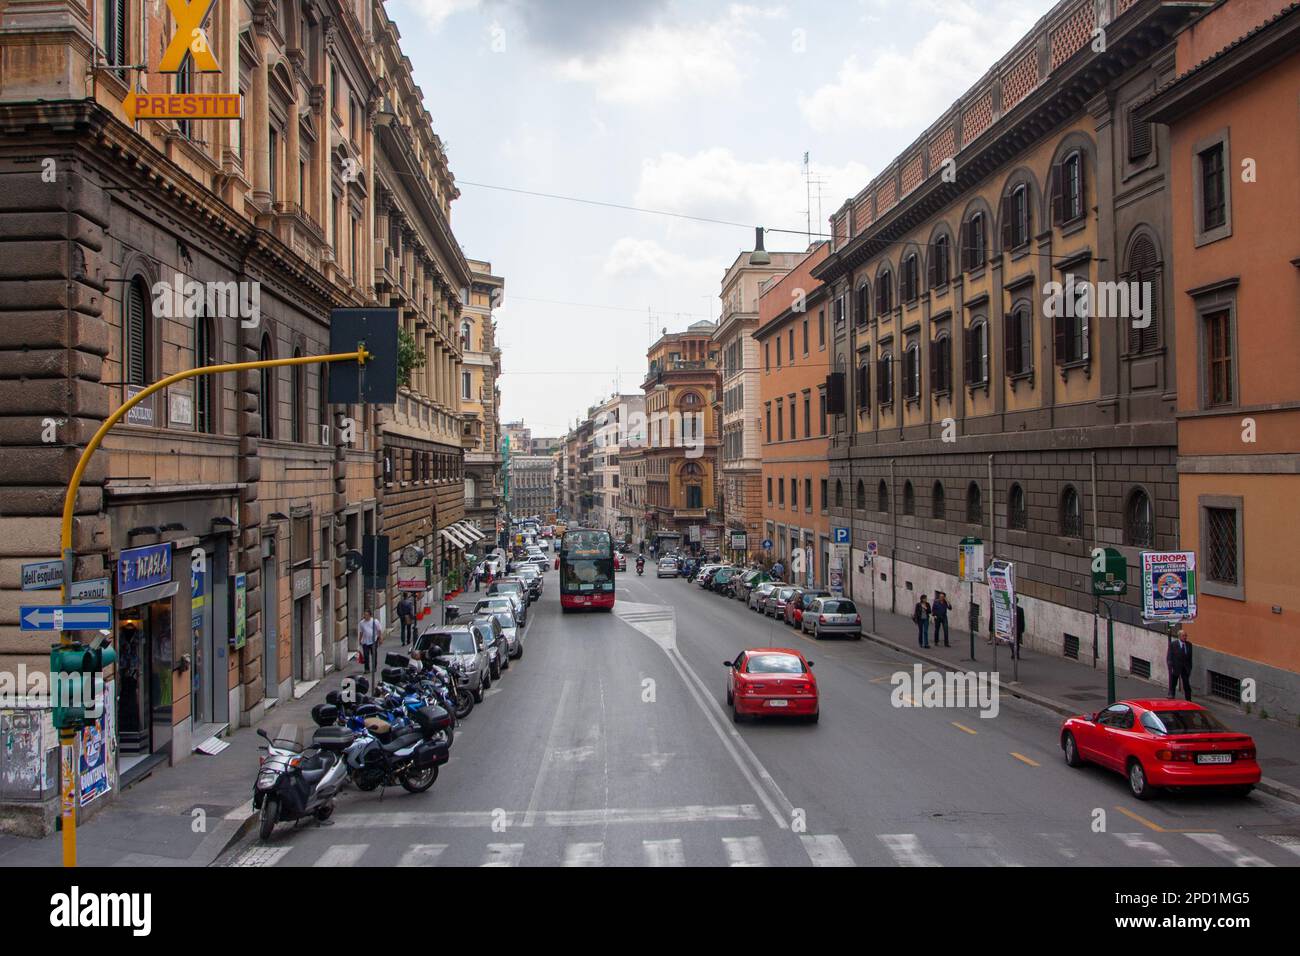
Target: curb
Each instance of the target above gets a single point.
(1273, 788)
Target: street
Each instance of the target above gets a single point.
(609, 744)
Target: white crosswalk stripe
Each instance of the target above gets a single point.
(503, 854)
(663, 852)
(826, 850)
(1139, 841)
(745, 851)
(422, 854)
(1218, 844)
(343, 854)
(906, 849)
(1062, 845)
(584, 854)
(985, 850)
(1285, 840)
(261, 856)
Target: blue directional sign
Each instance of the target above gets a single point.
(767, 544)
(67, 617)
(839, 535)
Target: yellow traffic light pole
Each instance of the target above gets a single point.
(67, 738)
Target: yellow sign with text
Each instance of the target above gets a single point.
(156, 106)
(189, 38)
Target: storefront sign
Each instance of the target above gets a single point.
(240, 617)
(302, 579)
(739, 541)
(139, 568)
(411, 579)
(1169, 585)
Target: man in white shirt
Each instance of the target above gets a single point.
(369, 636)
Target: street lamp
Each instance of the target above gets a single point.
(759, 257)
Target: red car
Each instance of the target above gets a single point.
(620, 561)
(1162, 743)
(772, 681)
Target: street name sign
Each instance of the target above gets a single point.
(42, 575)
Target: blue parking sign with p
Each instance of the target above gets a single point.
(840, 535)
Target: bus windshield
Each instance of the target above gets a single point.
(586, 562)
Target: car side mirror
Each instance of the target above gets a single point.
(728, 664)
(811, 664)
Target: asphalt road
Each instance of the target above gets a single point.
(608, 743)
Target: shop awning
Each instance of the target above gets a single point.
(451, 539)
(456, 537)
(471, 530)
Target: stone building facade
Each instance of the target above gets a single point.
(480, 400)
(975, 402)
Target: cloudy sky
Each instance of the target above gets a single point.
(686, 106)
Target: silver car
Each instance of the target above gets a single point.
(462, 645)
(666, 568)
(505, 620)
(832, 615)
(498, 646)
(516, 592)
(774, 606)
(758, 596)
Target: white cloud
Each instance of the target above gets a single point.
(434, 12)
(646, 257)
(909, 89)
(716, 184)
(661, 62)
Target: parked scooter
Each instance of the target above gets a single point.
(294, 783)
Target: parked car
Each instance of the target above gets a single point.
(510, 628)
(498, 647)
(831, 615)
(798, 603)
(721, 583)
(500, 603)
(705, 573)
(775, 604)
(746, 581)
(666, 568)
(464, 646)
(516, 592)
(1157, 743)
(772, 681)
(758, 595)
(533, 578)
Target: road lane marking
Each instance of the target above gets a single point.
(1216, 843)
(745, 851)
(985, 849)
(551, 741)
(963, 727)
(602, 816)
(1023, 759)
(826, 850)
(1152, 825)
(906, 849)
(584, 854)
(1138, 841)
(343, 854)
(422, 854)
(664, 852)
(1285, 840)
(503, 854)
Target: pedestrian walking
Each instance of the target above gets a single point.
(406, 614)
(369, 636)
(940, 611)
(1178, 659)
(921, 615)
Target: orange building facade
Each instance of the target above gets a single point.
(1231, 115)
(794, 353)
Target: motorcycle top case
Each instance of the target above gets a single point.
(431, 717)
(333, 738)
(325, 714)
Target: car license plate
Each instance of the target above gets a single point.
(778, 703)
(1214, 758)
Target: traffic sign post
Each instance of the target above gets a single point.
(1109, 579)
(970, 568)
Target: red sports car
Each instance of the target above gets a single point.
(620, 561)
(772, 681)
(1162, 743)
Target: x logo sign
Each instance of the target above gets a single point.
(189, 38)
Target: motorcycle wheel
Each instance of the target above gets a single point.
(270, 814)
(419, 782)
(325, 812)
(464, 703)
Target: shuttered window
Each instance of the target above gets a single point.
(941, 364)
(1139, 137)
(136, 365)
(1144, 273)
(115, 30)
(204, 385)
(266, 392)
(976, 353)
(1018, 340)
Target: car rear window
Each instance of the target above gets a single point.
(775, 664)
(839, 607)
(1173, 722)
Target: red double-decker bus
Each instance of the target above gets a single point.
(586, 566)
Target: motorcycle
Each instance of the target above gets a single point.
(640, 567)
(410, 758)
(295, 784)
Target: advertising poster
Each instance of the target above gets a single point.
(1002, 594)
(1169, 585)
(95, 747)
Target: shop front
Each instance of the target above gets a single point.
(146, 647)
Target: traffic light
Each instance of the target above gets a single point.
(75, 679)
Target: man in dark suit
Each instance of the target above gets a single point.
(1178, 660)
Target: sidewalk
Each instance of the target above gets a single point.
(1073, 687)
(154, 823)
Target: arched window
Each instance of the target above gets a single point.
(204, 385)
(938, 504)
(839, 493)
(882, 497)
(884, 292)
(912, 371)
(1139, 520)
(1071, 513)
(1067, 189)
(1018, 339)
(1017, 515)
(1144, 274)
(910, 281)
(266, 398)
(909, 499)
(1016, 220)
(860, 500)
(974, 242)
(137, 334)
(298, 420)
(974, 504)
(863, 304)
(938, 266)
